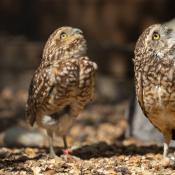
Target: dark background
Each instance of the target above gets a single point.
(111, 28)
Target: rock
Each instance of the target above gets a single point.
(18, 136)
(111, 89)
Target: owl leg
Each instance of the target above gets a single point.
(167, 139)
(51, 148)
(65, 142)
(66, 151)
(167, 159)
(165, 149)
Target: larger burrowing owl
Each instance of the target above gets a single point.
(154, 65)
(62, 84)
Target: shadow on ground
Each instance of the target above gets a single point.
(102, 149)
(14, 161)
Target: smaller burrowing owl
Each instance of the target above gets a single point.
(62, 84)
(154, 65)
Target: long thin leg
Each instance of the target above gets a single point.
(51, 148)
(167, 139)
(166, 159)
(66, 150)
(165, 149)
(65, 142)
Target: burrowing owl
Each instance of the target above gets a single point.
(62, 84)
(154, 65)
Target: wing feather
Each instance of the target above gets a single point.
(87, 78)
(61, 75)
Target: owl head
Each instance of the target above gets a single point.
(64, 43)
(157, 41)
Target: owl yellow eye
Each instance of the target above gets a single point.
(156, 36)
(63, 35)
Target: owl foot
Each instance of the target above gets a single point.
(52, 156)
(169, 160)
(67, 152)
(52, 153)
(172, 159)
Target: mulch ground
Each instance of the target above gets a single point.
(98, 149)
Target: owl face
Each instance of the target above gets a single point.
(156, 42)
(65, 42)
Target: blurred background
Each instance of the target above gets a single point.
(111, 28)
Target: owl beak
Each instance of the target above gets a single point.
(78, 31)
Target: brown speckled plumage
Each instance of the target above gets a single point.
(154, 65)
(62, 84)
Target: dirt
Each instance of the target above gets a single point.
(97, 149)
(98, 159)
